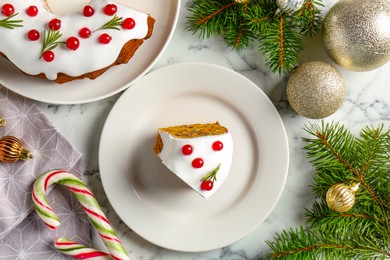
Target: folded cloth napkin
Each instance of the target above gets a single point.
(22, 233)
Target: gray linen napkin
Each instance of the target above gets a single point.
(22, 234)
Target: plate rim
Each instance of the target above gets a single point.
(284, 174)
(113, 92)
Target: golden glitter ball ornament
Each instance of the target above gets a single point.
(341, 197)
(356, 33)
(12, 150)
(315, 89)
(242, 1)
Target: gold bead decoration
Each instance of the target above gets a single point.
(341, 197)
(12, 150)
(2, 122)
(242, 1)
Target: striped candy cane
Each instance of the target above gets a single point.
(91, 207)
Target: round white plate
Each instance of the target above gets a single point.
(156, 204)
(115, 79)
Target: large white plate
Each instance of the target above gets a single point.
(114, 80)
(157, 205)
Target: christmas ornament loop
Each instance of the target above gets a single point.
(341, 197)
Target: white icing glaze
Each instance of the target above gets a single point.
(90, 56)
(181, 165)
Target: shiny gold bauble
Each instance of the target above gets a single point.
(2, 122)
(12, 150)
(356, 33)
(315, 89)
(341, 197)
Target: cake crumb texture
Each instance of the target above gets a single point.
(189, 131)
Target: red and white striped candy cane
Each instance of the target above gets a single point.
(91, 207)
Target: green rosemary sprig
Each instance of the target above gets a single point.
(9, 23)
(212, 175)
(50, 40)
(114, 23)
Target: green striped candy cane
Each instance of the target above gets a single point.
(91, 207)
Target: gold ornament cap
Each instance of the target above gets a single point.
(341, 197)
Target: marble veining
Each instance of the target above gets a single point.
(367, 102)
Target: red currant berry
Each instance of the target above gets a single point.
(207, 185)
(7, 9)
(48, 56)
(110, 9)
(85, 33)
(128, 23)
(88, 11)
(197, 163)
(217, 146)
(55, 24)
(33, 35)
(186, 149)
(72, 43)
(104, 38)
(32, 10)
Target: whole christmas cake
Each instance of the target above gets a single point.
(199, 154)
(64, 48)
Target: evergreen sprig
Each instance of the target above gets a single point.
(50, 40)
(212, 175)
(278, 34)
(113, 24)
(10, 23)
(362, 232)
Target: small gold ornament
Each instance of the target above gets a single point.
(315, 89)
(289, 6)
(242, 1)
(341, 197)
(2, 121)
(356, 34)
(11, 150)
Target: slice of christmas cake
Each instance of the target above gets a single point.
(199, 154)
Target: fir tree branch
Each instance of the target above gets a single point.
(237, 44)
(281, 45)
(309, 244)
(309, 17)
(364, 231)
(212, 15)
(323, 136)
(279, 36)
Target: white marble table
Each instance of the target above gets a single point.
(367, 102)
